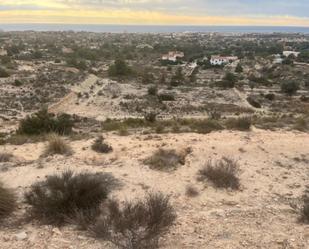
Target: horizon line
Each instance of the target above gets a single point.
(163, 25)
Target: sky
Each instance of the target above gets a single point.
(158, 12)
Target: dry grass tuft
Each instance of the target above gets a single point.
(222, 173)
(5, 157)
(56, 145)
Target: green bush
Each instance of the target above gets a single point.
(239, 68)
(3, 73)
(228, 81)
(119, 68)
(44, 122)
(166, 97)
(289, 87)
(150, 117)
(17, 83)
(178, 78)
(270, 96)
(259, 81)
(152, 90)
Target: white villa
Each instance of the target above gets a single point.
(288, 53)
(217, 60)
(173, 56)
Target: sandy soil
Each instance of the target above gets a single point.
(102, 98)
(263, 214)
(94, 105)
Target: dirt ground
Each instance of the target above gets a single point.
(263, 214)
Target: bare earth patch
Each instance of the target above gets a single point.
(262, 214)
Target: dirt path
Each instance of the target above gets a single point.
(67, 104)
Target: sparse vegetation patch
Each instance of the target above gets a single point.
(240, 123)
(166, 159)
(44, 122)
(222, 173)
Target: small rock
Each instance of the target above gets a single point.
(56, 231)
(21, 236)
(6, 238)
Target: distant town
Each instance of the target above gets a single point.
(169, 140)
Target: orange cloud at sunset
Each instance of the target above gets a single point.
(140, 17)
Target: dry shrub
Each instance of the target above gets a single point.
(7, 201)
(100, 146)
(137, 225)
(56, 145)
(241, 123)
(301, 124)
(191, 191)
(222, 173)
(206, 126)
(64, 196)
(167, 159)
(5, 157)
(123, 131)
(83, 218)
(254, 102)
(305, 210)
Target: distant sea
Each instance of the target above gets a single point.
(151, 28)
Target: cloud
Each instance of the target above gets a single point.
(32, 4)
(210, 7)
(240, 12)
(140, 17)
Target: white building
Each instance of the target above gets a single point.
(66, 50)
(173, 56)
(277, 59)
(3, 52)
(222, 60)
(288, 53)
